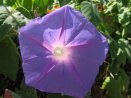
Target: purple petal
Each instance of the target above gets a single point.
(87, 49)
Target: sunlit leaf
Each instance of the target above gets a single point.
(10, 19)
(124, 16)
(111, 6)
(24, 11)
(91, 12)
(126, 47)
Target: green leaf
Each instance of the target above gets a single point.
(15, 95)
(81, 1)
(9, 2)
(111, 6)
(10, 19)
(128, 52)
(42, 5)
(8, 58)
(4, 29)
(28, 4)
(113, 49)
(114, 89)
(124, 79)
(25, 3)
(118, 62)
(64, 2)
(114, 67)
(126, 47)
(118, 84)
(25, 7)
(24, 11)
(26, 91)
(126, 31)
(124, 2)
(124, 16)
(1, 2)
(90, 11)
(120, 51)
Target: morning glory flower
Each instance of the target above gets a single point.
(61, 52)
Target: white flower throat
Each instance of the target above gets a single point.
(59, 52)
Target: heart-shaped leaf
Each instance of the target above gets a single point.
(10, 19)
(90, 11)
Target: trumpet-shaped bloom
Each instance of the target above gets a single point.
(62, 52)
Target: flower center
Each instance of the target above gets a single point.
(59, 52)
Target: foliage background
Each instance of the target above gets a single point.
(111, 17)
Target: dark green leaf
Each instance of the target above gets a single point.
(114, 49)
(81, 1)
(114, 67)
(26, 91)
(28, 4)
(124, 79)
(9, 59)
(114, 89)
(1, 2)
(64, 2)
(15, 95)
(124, 2)
(4, 29)
(9, 2)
